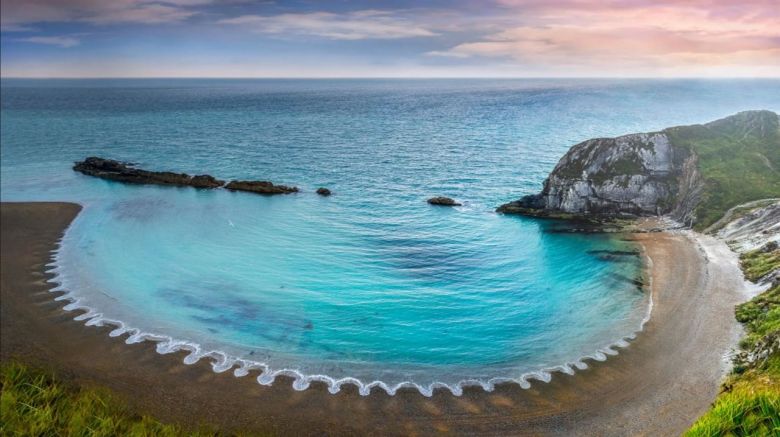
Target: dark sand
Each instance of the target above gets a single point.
(657, 386)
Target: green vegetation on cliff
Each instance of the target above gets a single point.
(739, 160)
(36, 403)
(758, 263)
(694, 174)
(749, 404)
(761, 318)
(747, 407)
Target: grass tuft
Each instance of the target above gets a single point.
(36, 403)
(749, 404)
(758, 263)
(747, 408)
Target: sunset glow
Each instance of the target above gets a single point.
(507, 38)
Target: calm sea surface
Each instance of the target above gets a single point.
(371, 283)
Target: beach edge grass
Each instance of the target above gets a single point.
(35, 401)
(749, 402)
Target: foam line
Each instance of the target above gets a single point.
(222, 362)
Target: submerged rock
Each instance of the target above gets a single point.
(260, 187)
(615, 252)
(125, 172)
(638, 281)
(322, 191)
(443, 201)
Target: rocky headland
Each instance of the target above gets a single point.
(692, 174)
(721, 178)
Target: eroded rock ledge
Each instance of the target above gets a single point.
(260, 187)
(127, 173)
(647, 174)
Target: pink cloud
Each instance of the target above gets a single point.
(586, 34)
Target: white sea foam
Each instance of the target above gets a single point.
(222, 361)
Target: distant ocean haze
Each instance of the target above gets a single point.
(372, 282)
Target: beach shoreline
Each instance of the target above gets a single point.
(660, 384)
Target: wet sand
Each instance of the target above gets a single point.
(659, 385)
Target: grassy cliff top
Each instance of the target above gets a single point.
(739, 160)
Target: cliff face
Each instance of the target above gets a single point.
(640, 174)
(751, 226)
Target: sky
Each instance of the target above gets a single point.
(344, 38)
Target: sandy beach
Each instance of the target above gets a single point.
(659, 385)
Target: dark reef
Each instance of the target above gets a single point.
(126, 172)
(260, 187)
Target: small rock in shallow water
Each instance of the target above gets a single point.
(322, 191)
(444, 201)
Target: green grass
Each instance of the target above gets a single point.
(739, 160)
(749, 404)
(761, 319)
(36, 403)
(747, 408)
(757, 263)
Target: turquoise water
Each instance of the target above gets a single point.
(370, 286)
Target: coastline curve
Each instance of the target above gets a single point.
(221, 361)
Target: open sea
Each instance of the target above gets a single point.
(371, 286)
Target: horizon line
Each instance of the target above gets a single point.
(386, 77)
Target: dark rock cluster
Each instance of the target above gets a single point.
(127, 173)
(443, 201)
(124, 172)
(260, 187)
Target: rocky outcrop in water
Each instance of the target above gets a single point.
(443, 201)
(322, 191)
(260, 187)
(637, 174)
(651, 174)
(124, 172)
